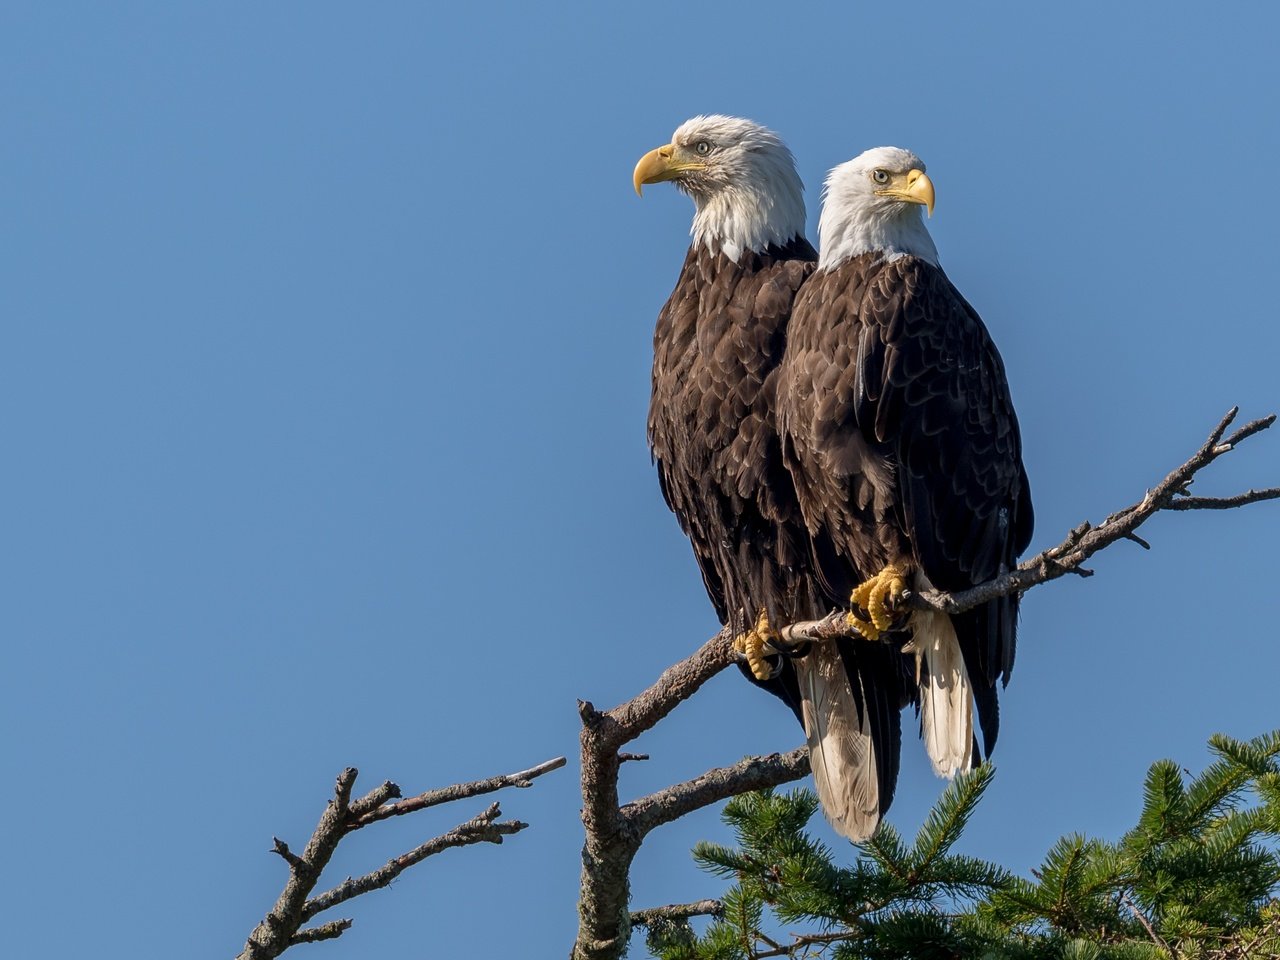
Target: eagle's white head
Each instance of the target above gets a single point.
(742, 179)
(871, 204)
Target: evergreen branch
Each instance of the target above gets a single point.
(1255, 758)
(885, 846)
(1146, 924)
(949, 817)
(1062, 876)
(1164, 801)
(1200, 886)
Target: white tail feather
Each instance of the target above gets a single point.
(946, 700)
(841, 751)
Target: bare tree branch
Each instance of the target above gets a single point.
(614, 834)
(1223, 503)
(483, 828)
(461, 791)
(753, 773)
(677, 911)
(282, 927)
(1082, 542)
(326, 931)
(282, 848)
(678, 683)
(274, 934)
(372, 800)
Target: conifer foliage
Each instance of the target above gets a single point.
(1196, 879)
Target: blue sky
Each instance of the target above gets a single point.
(323, 376)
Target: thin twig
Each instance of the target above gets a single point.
(371, 801)
(461, 791)
(326, 931)
(483, 828)
(289, 857)
(677, 911)
(1223, 503)
(677, 684)
(805, 940)
(1141, 917)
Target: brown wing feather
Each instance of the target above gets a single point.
(717, 347)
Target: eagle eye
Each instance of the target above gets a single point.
(880, 176)
(702, 148)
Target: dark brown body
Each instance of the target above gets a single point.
(716, 352)
(901, 437)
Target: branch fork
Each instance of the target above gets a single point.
(283, 926)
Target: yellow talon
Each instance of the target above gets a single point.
(866, 629)
(751, 645)
(879, 596)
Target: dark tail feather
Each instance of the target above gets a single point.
(782, 685)
(988, 637)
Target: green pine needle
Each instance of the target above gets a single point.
(1197, 878)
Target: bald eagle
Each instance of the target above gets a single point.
(713, 432)
(900, 434)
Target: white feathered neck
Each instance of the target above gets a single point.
(750, 195)
(855, 220)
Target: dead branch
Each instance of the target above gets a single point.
(753, 773)
(282, 927)
(614, 833)
(1082, 542)
(461, 791)
(483, 828)
(677, 911)
(326, 931)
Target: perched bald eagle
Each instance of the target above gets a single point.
(901, 438)
(712, 428)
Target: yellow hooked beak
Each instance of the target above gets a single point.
(661, 164)
(913, 187)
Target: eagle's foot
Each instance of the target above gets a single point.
(752, 643)
(879, 597)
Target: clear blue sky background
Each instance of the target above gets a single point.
(323, 376)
